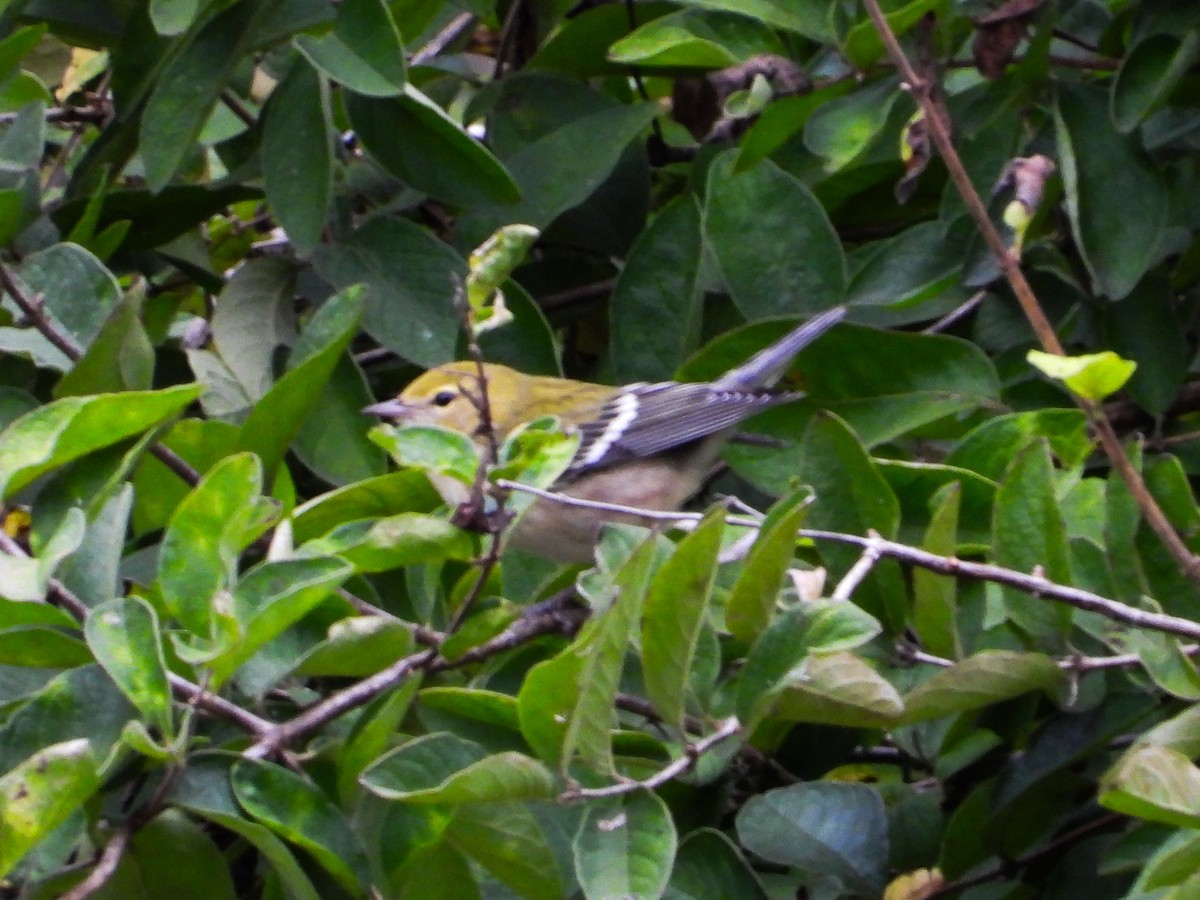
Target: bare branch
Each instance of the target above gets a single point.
(691, 755)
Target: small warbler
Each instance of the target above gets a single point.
(649, 446)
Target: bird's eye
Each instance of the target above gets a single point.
(444, 398)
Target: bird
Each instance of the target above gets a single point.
(646, 445)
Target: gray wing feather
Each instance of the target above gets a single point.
(668, 415)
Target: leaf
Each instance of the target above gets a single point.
(61, 432)
(625, 847)
(333, 440)
(832, 832)
(755, 594)
(176, 858)
(709, 866)
(252, 318)
(204, 789)
(295, 808)
(78, 291)
(695, 38)
(774, 244)
(373, 498)
(364, 51)
(269, 598)
(443, 768)
(505, 839)
(1116, 197)
(1154, 783)
(853, 498)
(656, 302)
(1028, 534)
(601, 648)
(206, 533)
(411, 278)
(990, 447)
(838, 689)
(843, 129)
(935, 597)
(296, 139)
(1092, 376)
(561, 169)
(40, 793)
(863, 46)
(676, 607)
(124, 635)
(276, 419)
(405, 539)
(436, 156)
(981, 679)
(119, 359)
(809, 19)
(1148, 74)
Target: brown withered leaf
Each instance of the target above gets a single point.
(998, 34)
(698, 102)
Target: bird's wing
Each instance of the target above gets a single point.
(646, 419)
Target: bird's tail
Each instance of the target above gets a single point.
(767, 366)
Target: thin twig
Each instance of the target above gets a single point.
(457, 27)
(36, 313)
(959, 312)
(650, 515)
(234, 104)
(939, 132)
(105, 866)
(691, 755)
(859, 571)
(560, 617)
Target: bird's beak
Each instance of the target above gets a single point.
(388, 409)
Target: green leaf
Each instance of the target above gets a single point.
(675, 609)
(505, 839)
(188, 87)
(774, 244)
(204, 537)
(41, 646)
(1154, 783)
(125, 637)
(1028, 533)
(1092, 376)
(811, 19)
(838, 689)
(442, 768)
(119, 359)
(364, 52)
(158, 490)
(204, 789)
(268, 599)
(61, 432)
(755, 594)
(561, 169)
(297, 141)
(295, 808)
(845, 127)
(1116, 197)
(333, 440)
(78, 291)
(1149, 73)
(373, 498)
(411, 279)
(431, 449)
(863, 47)
(695, 39)
(837, 834)
(981, 680)
(39, 794)
(177, 858)
(405, 539)
(436, 155)
(656, 303)
(709, 866)
(935, 597)
(853, 498)
(276, 419)
(989, 448)
(625, 847)
(252, 317)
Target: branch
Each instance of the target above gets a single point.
(556, 616)
(105, 866)
(691, 755)
(939, 132)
